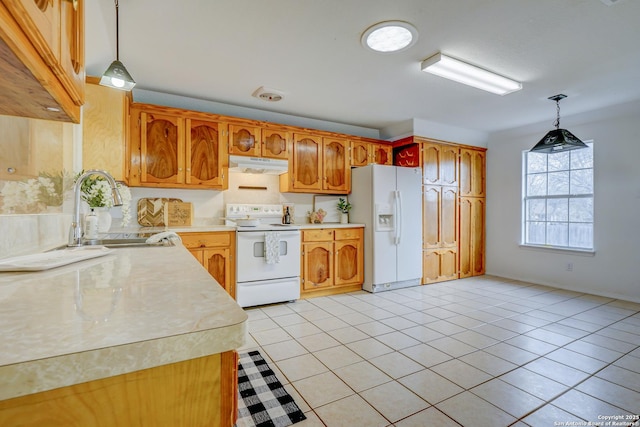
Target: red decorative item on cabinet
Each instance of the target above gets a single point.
(407, 155)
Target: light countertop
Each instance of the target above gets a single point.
(132, 309)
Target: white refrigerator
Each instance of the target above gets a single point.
(388, 201)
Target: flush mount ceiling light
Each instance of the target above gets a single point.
(461, 72)
(117, 75)
(267, 94)
(390, 36)
(558, 140)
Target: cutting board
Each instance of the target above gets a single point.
(151, 211)
(178, 213)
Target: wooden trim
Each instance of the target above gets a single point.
(334, 290)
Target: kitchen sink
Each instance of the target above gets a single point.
(124, 243)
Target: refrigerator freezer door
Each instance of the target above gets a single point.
(409, 251)
(383, 246)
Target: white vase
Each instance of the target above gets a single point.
(104, 219)
(344, 218)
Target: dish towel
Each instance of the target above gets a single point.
(272, 247)
(166, 238)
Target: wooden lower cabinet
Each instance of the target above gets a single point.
(439, 265)
(196, 392)
(332, 261)
(216, 252)
(472, 236)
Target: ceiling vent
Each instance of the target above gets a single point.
(610, 2)
(267, 94)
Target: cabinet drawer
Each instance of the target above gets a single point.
(320, 235)
(348, 233)
(205, 240)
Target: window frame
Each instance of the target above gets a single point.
(525, 198)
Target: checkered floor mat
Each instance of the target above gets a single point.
(262, 400)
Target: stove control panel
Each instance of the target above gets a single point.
(234, 210)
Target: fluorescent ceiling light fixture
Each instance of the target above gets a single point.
(461, 72)
(390, 36)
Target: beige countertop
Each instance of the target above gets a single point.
(214, 228)
(132, 309)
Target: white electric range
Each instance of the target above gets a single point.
(267, 255)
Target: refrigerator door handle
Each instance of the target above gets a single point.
(398, 215)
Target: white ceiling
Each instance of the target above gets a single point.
(223, 50)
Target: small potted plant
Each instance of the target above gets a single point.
(344, 207)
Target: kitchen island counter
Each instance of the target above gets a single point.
(131, 310)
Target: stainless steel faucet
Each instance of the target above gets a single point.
(75, 233)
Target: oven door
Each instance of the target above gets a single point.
(251, 263)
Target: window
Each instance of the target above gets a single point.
(558, 199)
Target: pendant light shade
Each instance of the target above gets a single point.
(558, 140)
(117, 75)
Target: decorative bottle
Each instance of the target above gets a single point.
(287, 216)
(91, 225)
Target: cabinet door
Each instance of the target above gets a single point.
(317, 265)
(359, 153)
(449, 217)
(471, 254)
(217, 262)
(306, 162)
(472, 173)
(205, 151)
(40, 21)
(449, 165)
(348, 262)
(161, 149)
(439, 265)
(275, 143)
(72, 49)
(440, 164)
(244, 140)
(431, 201)
(336, 169)
(381, 154)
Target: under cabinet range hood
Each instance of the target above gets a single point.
(263, 165)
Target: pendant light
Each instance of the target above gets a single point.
(117, 75)
(558, 140)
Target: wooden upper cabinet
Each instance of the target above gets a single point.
(318, 165)
(72, 48)
(359, 153)
(307, 158)
(244, 140)
(275, 143)
(440, 164)
(336, 169)
(40, 20)
(162, 149)
(472, 173)
(364, 153)
(42, 52)
(168, 148)
(206, 159)
(381, 154)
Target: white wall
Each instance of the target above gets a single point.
(614, 270)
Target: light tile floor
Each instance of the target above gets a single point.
(476, 352)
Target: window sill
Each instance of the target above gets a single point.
(582, 252)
